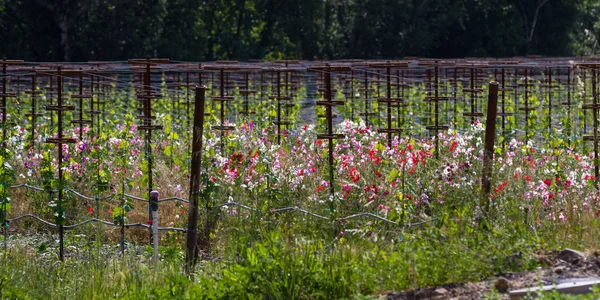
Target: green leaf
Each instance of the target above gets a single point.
(392, 175)
(168, 150)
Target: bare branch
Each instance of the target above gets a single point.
(541, 3)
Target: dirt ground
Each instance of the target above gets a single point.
(559, 266)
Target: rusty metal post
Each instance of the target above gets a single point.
(60, 140)
(329, 103)
(352, 95)
(278, 107)
(454, 95)
(187, 98)
(434, 97)
(594, 107)
(490, 134)
(5, 94)
(436, 112)
(526, 107)
(584, 90)
(474, 91)
(147, 122)
(366, 91)
(388, 78)
(191, 241)
(81, 107)
(60, 159)
(388, 100)
(329, 112)
(34, 115)
(503, 107)
(222, 98)
(81, 96)
(146, 94)
(569, 70)
(550, 86)
(595, 110)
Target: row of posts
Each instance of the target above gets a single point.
(146, 95)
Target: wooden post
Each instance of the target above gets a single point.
(191, 241)
(490, 134)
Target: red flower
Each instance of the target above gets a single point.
(453, 146)
(90, 210)
(527, 178)
(320, 188)
(371, 154)
(378, 173)
(551, 196)
(500, 187)
(569, 183)
(548, 182)
(354, 175)
(149, 222)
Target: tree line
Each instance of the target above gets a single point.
(82, 30)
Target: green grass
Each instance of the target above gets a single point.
(273, 264)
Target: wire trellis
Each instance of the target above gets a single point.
(231, 203)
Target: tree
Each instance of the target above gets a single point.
(530, 10)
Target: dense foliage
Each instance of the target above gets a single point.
(308, 29)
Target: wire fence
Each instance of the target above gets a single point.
(231, 203)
